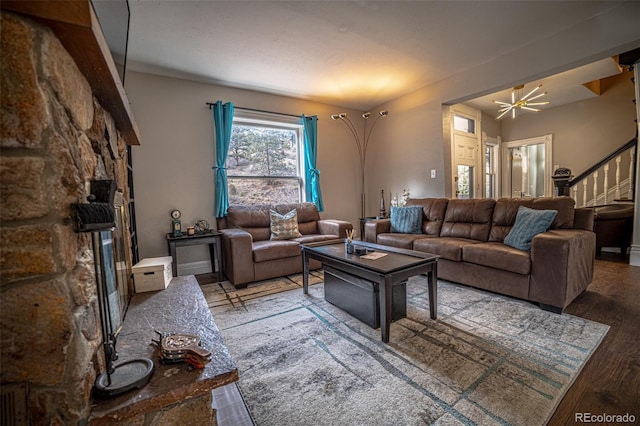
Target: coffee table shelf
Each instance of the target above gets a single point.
(393, 269)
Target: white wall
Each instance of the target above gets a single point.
(172, 165)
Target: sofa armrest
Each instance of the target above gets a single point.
(334, 227)
(584, 219)
(562, 262)
(374, 227)
(237, 254)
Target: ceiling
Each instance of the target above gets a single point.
(564, 88)
(356, 54)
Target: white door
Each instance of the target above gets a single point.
(465, 152)
(527, 167)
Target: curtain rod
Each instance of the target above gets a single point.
(210, 104)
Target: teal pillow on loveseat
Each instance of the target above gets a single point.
(529, 223)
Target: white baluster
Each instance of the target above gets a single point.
(632, 152)
(574, 189)
(584, 193)
(606, 183)
(595, 188)
(618, 159)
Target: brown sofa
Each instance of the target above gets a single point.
(469, 235)
(250, 255)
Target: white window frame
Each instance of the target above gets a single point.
(494, 145)
(275, 121)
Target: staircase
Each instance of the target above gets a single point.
(608, 187)
(609, 181)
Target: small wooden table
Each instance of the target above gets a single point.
(397, 266)
(211, 238)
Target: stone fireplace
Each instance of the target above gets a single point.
(55, 137)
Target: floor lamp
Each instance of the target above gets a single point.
(362, 144)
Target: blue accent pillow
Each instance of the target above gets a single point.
(529, 223)
(406, 220)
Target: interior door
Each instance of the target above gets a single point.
(466, 147)
(526, 167)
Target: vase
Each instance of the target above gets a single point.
(348, 245)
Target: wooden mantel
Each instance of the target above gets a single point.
(76, 25)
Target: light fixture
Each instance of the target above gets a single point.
(361, 144)
(519, 101)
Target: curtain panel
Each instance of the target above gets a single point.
(312, 175)
(223, 120)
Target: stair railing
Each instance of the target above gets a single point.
(598, 174)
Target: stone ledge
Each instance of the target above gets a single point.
(181, 307)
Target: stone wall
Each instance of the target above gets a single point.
(54, 139)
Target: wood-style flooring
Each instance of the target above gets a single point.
(610, 381)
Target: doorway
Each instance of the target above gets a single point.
(527, 168)
(466, 159)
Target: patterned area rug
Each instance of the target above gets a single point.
(487, 359)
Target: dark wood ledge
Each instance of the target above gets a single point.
(181, 307)
(76, 25)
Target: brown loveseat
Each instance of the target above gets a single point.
(469, 235)
(250, 255)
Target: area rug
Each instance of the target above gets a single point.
(487, 359)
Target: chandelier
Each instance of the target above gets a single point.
(519, 101)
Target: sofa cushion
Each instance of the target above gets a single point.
(404, 241)
(270, 250)
(284, 226)
(406, 220)
(257, 220)
(565, 206)
(314, 238)
(529, 223)
(308, 216)
(248, 217)
(469, 219)
(433, 211)
(498, 256)
(447, 248)
(504, 216)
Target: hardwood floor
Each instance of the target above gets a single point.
(610, 381)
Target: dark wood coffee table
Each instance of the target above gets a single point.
(397, 266)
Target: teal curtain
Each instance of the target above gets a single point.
(223, 119)
(312, 175)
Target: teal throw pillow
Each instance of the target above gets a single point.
(406, 220)
(529, 223)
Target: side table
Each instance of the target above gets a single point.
(211, 238)
(364, 220)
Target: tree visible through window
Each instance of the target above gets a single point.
(263, 164)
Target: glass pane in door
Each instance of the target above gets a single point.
(465, 182)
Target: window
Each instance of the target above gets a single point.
(490, 171)
(264, 162)
(464, 124)
(465, 182)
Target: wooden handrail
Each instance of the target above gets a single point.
(614, 154)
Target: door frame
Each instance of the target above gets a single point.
(496, 146)
(505, 170)
(478, 170)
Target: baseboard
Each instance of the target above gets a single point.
(611, 249)
(194, 268)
